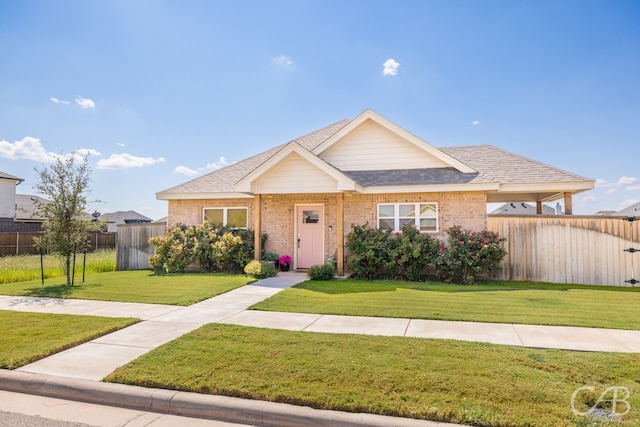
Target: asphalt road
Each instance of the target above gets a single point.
(13, 419)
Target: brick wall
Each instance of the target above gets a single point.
(466, 209)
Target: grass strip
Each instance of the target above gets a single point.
(27, 337)
(441, 380)
(21, 268)
(499, 302)
(133, 286)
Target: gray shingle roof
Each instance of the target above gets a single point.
(428, 176)
(26, 207)
(223, 180)
(493, 165)
(633, 210)
(4, 175)
(497, 165)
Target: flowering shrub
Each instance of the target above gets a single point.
(469, 254)
(175, 251)
(376, 254)
(204, 247)
(410, 255)
(284, 259)
(260, 269)
(369, 252)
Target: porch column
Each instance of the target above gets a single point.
(538, 207)
(257, 241)
(340, 231)
(568, 210)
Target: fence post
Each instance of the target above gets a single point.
(632, 250)
(17, 243)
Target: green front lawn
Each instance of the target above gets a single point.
(501, 302)
(132, 286)
(27, 337)
(462, 382)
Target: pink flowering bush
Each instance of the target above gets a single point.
(468, 255)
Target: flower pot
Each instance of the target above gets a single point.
(284, 267)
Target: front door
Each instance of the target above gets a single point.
(310, 236)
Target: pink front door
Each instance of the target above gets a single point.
(310, 236)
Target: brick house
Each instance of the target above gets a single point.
(306, 194)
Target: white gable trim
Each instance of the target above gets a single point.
(344, 183)
(392, 127)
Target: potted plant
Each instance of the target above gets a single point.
(284, 262)
(271, 258)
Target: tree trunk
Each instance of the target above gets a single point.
(67, 262)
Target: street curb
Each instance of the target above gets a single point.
(221, 408)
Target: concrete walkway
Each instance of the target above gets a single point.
(92, 361)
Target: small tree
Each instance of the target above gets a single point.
(66, 224)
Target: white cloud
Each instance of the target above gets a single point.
(282, 60)
(219, 164)
(85, 102)
(27, 148)
(120, 144)
(601, 183)
(58, 101)
(628, 180)
(590, 199)
(611, 190)
(183, 170)
(390, 67)
(475, 122)
(31, 148)
(125, 161)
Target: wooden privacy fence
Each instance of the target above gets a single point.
(133, 249)
(568, 249)
(21, 243)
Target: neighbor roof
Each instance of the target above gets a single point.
(26, 206)
(633, 210)
(4, 175)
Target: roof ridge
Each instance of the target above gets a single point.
(344, 122)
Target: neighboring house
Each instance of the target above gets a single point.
(604, 213)
(633, 210)
(17, 211)
(525, 209)
(306, 194)
(114, 219)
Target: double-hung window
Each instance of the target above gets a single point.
(394, 216)
(226, 217)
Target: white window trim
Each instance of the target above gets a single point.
(224, 215)
(396, 215)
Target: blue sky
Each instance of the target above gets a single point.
(162, 91)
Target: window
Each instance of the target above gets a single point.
(393, 217)
(227, 217)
